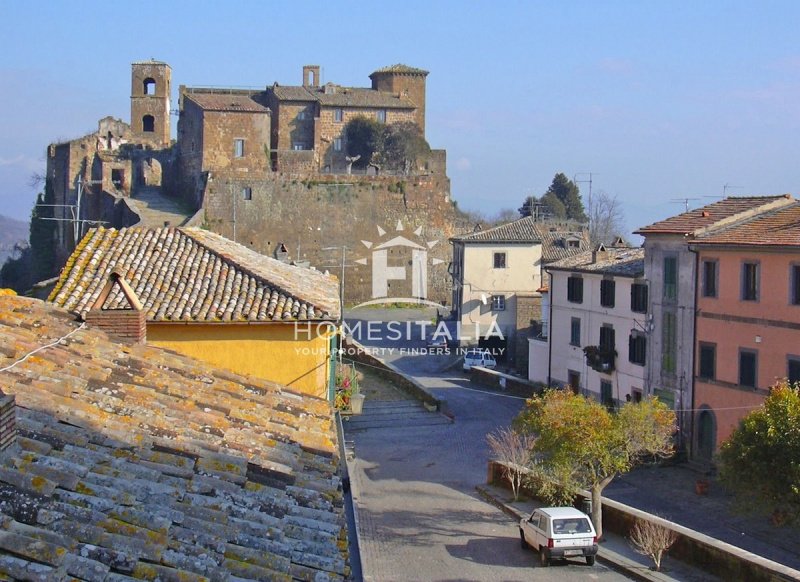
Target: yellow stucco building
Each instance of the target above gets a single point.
(205, 296)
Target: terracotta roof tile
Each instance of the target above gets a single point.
(714, 215)
(776, 228)
(557, 239)
(337, 96)
(193, 275)
(400, 68)
(142, 468)
(621, 261)
(226, 102)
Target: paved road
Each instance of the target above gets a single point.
(414, 486)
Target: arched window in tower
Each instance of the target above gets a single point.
(149, 86)
(148, 124)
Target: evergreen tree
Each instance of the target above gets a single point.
(561, 201)
(364, 137)
(42, 236)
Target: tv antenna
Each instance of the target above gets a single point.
(685, 202)
(589, 181)
(726, 187)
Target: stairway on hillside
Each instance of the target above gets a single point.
(156, 209)
(392, 414)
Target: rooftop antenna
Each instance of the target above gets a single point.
(726, 187)
(575, 179)
(685, 202)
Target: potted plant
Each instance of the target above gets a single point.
(348, 394)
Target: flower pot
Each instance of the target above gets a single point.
(701, 487)
(356, 403)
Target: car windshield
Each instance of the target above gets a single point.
(572, 525)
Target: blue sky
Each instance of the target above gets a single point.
(660, 101)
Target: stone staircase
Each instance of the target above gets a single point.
(156, 210)
(392, 414)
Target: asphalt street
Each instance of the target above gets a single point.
(419, 516)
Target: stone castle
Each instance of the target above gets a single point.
(268, 168)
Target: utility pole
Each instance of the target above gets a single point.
(341, 280)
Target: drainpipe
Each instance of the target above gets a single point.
(550, 331)
(695, 311)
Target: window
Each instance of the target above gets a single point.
(149, 86)
(499, 260)
(573, 243)
(637, 348)
(298, 147)
(670, 278)
(637, 395)
(607, 342)
(639, 298)
(247, 193)
(380, 115)
(795, 281)
(574, 381)
(498, 302)
(606, 394)
(748, 361)
(793, 369)
(749, 281)
(117, 176)
(709, 278)
(669, 340)
(575, 289)
(238, 148)
(338, 115)
(575, 332)
(148, 124)
(607, 289)
(301, 115)
(337, 144)
(707, 367)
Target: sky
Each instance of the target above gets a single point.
(658, 101)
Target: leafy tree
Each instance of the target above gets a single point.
(404, 145)
(364, 137)
(652, 539)
(580, 444)
(606, 218)
(760, 462)
(561, 201)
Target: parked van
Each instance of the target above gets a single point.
(482, 358)
(559, 532)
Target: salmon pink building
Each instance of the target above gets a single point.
(747, 319)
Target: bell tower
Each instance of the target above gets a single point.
(151, 86)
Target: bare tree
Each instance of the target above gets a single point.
(513, 451)
(606, 218)
(652, 539)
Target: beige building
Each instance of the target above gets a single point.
(497, 275)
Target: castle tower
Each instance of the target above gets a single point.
(311, 76)
(150, 92)
(404, 81)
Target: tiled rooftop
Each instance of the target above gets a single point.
(190, 274)
(620, 261)
(776, 228)
(338, 96)
(400, 68)
(555, 237)
(714, 215)
(134, 462)
(226, 102)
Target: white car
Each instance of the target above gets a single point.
(481, 358)
(559, 532)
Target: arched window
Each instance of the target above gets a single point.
(149, 86)
(148, 123)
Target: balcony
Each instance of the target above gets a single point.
(600, 359)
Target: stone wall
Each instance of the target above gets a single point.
(309, 214)
(529, 308)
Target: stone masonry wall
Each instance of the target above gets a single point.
(529, 307)
(330, 211)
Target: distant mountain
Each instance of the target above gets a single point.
(11, 232)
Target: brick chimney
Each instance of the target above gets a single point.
(128, 324)
(600, 254)
(8, 420)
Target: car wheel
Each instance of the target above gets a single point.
(522, 541)
(590, 560)
(543, 559)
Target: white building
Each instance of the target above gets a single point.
(497, 274)
(598, 325)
